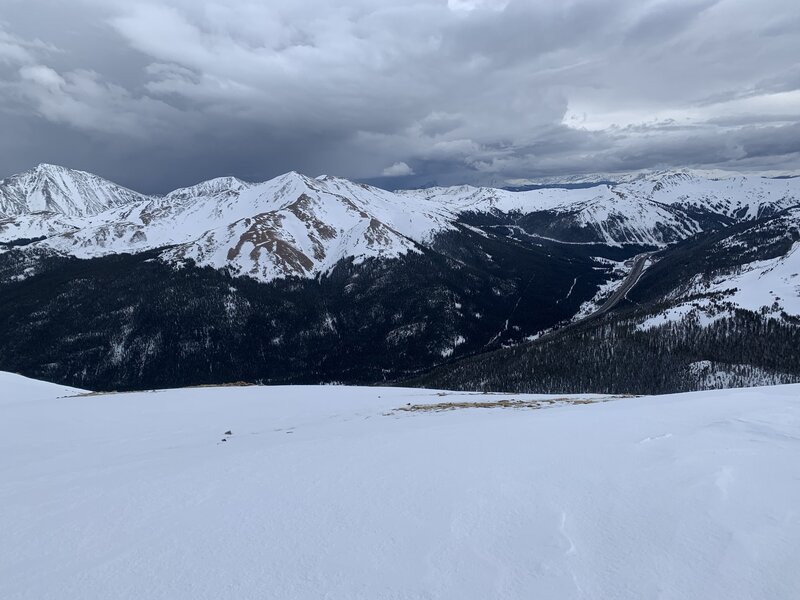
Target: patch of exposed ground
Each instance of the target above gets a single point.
(264, 232)
(505, 403)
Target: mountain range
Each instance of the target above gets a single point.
(301, 279)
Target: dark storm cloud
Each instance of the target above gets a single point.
(157, 94)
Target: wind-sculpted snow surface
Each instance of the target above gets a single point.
(311, 492)
(298, 226)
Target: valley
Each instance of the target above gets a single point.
(315, 280)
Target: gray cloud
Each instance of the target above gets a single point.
(157, 94)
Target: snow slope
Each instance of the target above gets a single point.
(770, 286)
(739, 197)
(612, 217)
(17, 388)
(764, 276)
(327, 492)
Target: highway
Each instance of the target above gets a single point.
(631, 280)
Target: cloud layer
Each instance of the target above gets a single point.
(158, 94)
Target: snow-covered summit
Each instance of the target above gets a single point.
(67, 192)
(221, 185)
(297, 226)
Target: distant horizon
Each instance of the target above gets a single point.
(565, 181)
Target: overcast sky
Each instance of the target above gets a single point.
(160, 94)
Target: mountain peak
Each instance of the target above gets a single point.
(296, 177)
(57, 189)
(226, 185)
(51, 170)
(51, 167)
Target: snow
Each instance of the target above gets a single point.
(60, 190)
(569, 293)
(454, 343)
(769, 285)
(734, 195)
(615, 217)
(647, 174)
(289, 226)
(329, 492)
(698, 311)
(17, 388)
(620, 271)
(294, 225)
(709, 375)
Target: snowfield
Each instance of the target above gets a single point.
(329, 492)
(17, 388)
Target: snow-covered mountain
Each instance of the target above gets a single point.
(289, 226)
(601, 214)
(643, 174)
(294, 225)
(755, 268)
(65, 192)
(736, 197)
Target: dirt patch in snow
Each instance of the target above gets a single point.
(511, 403)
